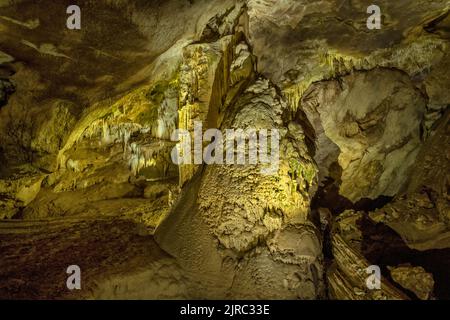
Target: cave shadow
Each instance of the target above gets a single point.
(384, 247)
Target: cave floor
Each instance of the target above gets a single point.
(34, 263)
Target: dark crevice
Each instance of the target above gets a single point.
(382, 246)
(309, 131)
(6, 90)
(328, 196)
(434, 25)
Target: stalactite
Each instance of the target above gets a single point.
(413, 58)
(141, 157)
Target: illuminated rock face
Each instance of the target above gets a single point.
(260, 222)
(211, 76)
(421, 215)
(415, 279)
(360, 117)
(368, 130)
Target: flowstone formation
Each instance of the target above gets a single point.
(253, 233)
(94, 122)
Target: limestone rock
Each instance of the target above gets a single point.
(369, 125)
(347, 277)
(420, 215)
(298, 47)
(140, 270)
(87, 122)
(51, 135)
(346, 224)
(211, 76)
(251, 231)
(238, 221)
(436, 81)
(18, 190)
(6, 88)
(224, 23)
(155, 191)
(415, 279)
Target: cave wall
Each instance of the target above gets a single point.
(86, 139)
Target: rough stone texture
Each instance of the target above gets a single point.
(243, 213)
(421, 215)
(300, 42)
(6, 89)
(52, 134)
(368, 124)
(251, 247)
(415, 279)
(347, 275)
(92, 244)
(18, 190)
(211, 76)
(271, 209)
(86, 175)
